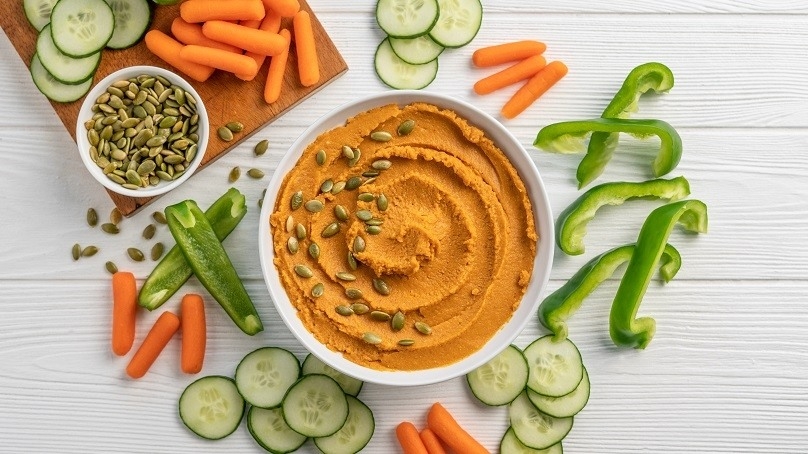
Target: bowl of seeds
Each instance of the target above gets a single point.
(142, 131)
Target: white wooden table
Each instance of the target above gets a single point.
(726, 371)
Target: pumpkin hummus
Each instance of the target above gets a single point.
(440, 231)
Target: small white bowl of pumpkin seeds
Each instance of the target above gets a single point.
(142, 131)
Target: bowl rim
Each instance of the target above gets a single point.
(84, 114)
(542, 264)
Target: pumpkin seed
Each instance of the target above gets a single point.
(290, 224)
(397, 322)
(381, 164)
(366, 197)
(359, 244)
(157, 251)
(373, 229)
(372, 338)
(371, 173)
(149, 231)
(353, 183)
(109, 227)
(300, 231)
(135, 254)
(381, 286)
(381, 136)
(292, 245)
(318, 290)
(406, 342)
(352, 263)
(330, 230)
(423, 328)
(345, 276)
(314, 250)
(344, 310)
(297, 200)
(92, 217)
(314, 206)
(369, 180)
(406, 127)
(235, 174)
(353, 293)
(256, 173)
(347, 152)
(260, 203)
(303, 271)
(320, 157)
(341, 213)
(338, 187)
(327, 185)
(380, 316)
(261, 147)
(76, 251)
(225, 134)
(111, 267)
(375, 222)
(360, 308)
(382, 203)
(235, 126)
(357, 155)
(364, 215)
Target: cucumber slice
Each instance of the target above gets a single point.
(264, 376)
(349, 385)
(458, 23)
(315, 406)
(511, 445)
(132, 19)
(354, 434)
(533, 428)
(212, 407)
(556, 368)
(416, 51)
(501, 380)
(52, 88)
(399, 74)
(67, 70)
(81, 27)
(38, 12)
(564, 406)
(267, 427)
(406, 18)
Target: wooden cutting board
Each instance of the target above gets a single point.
(226, 97)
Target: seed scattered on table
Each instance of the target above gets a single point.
(261, 147)
(157, 251)
(235, 174)
(92, 217)
(135, 254)
(255, 173)
(225, 134)
(89, 251)
(111, 267)
(76, 251)
(149, 231)
(234, 126)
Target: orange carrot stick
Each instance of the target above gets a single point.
(194, 333)
(534, 88)
(409, 439)
(271, 24)
(277, 66)
(253, 24)
(124, 311)
(192, 34)
(168, 49)
(220, 59)
(449, 431)
(204, 10)
(154, 343)
(246, 38)
(525, 69)
(503, 53)
(286, 8)
(308, 66)
(431, 442)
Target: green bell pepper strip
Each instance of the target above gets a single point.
(648, 76)
(625, 329)
(569, 136)
(560, 305)
(211, 265)
(572, 222)
(173, 270)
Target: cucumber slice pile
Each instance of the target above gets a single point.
(38, 12)
(545, 387)
(65, 69)
(81, 27)
(132, 19)
(264, 376)
(417, 33)
(313, 365)
(52, 88)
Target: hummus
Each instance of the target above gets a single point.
(454, 246)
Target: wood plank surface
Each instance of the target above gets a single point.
(226, 97)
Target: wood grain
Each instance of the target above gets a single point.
(226, 97)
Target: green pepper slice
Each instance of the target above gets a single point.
(625, 329)
(560, 305)
(211, 265)
(648, 76)
(173, 270)
(572, 222)
(569, 136)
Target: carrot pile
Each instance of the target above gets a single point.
(124, 323)
(530, 66)
(442, 429)
(237, 36)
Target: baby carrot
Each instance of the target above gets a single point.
(154, 343)
(277, 66)
(449, 431)
(525, 69)
(254, 24)
(307, 65)
(534, 88)
(220, 59)
(168, 49)
(409, 439)
(205, 10)
(286, 8)
(194, 331)
(192, 34)
(246, 38)
(124, 310)
(431, 442)
(271, 24)
(503, 53)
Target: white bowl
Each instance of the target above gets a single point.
(541, 265)
(85, 113)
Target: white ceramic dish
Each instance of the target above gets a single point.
(541, 267)
(85, 113)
